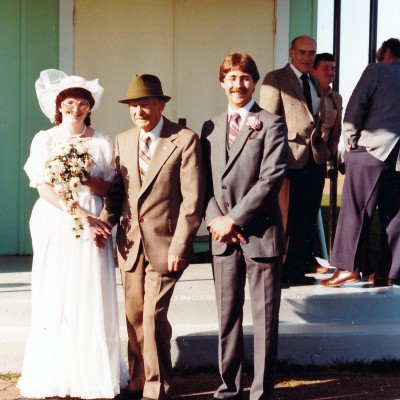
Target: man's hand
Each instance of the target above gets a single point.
(223, 229)
(99, 241)
(176, 263)
(99, 227)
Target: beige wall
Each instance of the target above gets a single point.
(181, 41)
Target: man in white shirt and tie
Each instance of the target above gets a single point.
(295, 95)
(157, 201)
(245, 153)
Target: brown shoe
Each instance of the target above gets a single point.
(371, 278)
(341, 277)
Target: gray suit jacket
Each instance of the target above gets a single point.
(282, 94)
(372, 117)
(246, 185)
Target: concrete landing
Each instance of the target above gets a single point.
(317, 325)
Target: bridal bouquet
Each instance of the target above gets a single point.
(69, 165)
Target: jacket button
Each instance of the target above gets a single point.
(141, 219)
(224, 187)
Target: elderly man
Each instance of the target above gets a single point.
(295, 95)
(371, 132)
(157, 200)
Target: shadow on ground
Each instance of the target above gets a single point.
(303, 386)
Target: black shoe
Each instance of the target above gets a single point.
(285, 283)
(126, 394)
(300, 279)
(382, 282)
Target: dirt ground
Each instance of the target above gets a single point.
(327, 384)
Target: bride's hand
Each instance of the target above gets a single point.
(98, 226)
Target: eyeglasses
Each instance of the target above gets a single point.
(72, 104)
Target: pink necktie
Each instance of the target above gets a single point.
(233, 128)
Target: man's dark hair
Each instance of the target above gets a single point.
(393, 45)
(323, 57)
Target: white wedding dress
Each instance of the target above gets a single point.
(73, 347)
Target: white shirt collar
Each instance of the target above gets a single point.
(243, 111)
(155, 133)
(297, 72)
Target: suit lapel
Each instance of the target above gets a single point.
(238, 144)
(242, 138)
(131, 159)
(220, 140)
(163, 150)
(295, 84)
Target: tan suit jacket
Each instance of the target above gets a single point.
(325, 139)
(282, 94)
(162, 214)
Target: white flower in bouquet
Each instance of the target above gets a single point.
(69, 165)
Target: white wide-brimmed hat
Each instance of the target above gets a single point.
(52, 81)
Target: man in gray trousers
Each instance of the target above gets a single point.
(371, 132)
(245, 153)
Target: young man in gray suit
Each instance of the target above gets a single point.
(245, 152)
(371, 132)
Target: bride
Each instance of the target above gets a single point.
(73, 347)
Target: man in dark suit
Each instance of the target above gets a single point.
(157, 200)
(245, 151)
(371, 130)
(295, 95)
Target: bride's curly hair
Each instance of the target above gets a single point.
(77, 93)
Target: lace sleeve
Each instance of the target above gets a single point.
(35, 165)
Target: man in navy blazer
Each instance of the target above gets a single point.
(371, 132)
(245, 166)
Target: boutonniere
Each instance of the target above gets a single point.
(254, 123)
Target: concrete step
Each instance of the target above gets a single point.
(317, 325)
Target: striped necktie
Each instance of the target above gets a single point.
(233, 128)
(144, 155)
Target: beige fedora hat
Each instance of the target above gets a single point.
(144, 86)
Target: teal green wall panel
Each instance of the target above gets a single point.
(303, 18)
(10, 110)
(28, 44)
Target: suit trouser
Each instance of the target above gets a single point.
(305, 194)
(368, 182)
(147, 299)
(264, 276)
